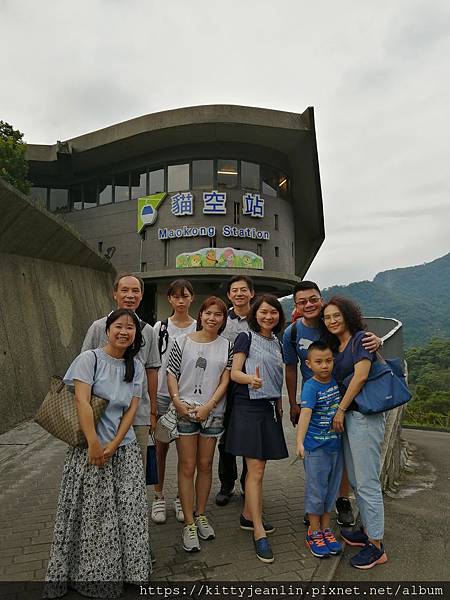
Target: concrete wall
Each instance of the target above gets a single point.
(46, 306)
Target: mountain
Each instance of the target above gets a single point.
(418, 296)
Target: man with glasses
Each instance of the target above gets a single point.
(297, 339)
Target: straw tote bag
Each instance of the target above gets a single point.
(58, 413)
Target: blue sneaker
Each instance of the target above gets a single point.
(316, 544)
(369, 556)
(354, 538)
(263, 550)
(331, 542)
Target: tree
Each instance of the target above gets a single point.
(13, 165)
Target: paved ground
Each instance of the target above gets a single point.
(30, 470)
(417, 518)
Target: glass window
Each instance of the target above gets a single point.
(283, 186)
(90, 194)
(122, 187)
(156, 181)
(40, 195)
(249, 175)
(277, 251)
(269, 181)
(237, 213)
(203, 174)
(59, 199)
(76, 197)
(139, 184)
(227, 173)
(276, 224)
(178, 178)
(104, 191)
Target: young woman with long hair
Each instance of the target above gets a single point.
(198, 374)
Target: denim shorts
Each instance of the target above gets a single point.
(163, 405)
(323, 474)
(215, 428)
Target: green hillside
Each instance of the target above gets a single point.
(418, 296)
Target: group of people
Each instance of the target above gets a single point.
(222, 373)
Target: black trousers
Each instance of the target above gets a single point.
(227, 462)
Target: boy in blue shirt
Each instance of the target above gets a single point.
(321, 449)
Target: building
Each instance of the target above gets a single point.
(204, 193)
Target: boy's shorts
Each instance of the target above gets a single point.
(215, 427)
(323, 474)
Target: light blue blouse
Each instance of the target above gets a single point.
(108, 384)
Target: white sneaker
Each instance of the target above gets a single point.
(190, 538)
(159, 510)
(204, 528)
(179, 514)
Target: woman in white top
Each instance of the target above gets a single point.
(180, 296)
(198, 374)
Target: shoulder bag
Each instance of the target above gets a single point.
(58, 412)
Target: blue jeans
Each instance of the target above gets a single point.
(323, 474)
(363, 438)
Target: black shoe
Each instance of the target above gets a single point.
(248, 525)
(344, 512)
(224, 496)
(306, 522)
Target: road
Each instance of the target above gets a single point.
(417, 518)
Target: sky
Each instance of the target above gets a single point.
(376, 73)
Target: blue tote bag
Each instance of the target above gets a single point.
(384, 389)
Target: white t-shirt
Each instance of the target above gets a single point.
(174, 333)
(198, 367)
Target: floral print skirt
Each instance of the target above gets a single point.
(101, 537)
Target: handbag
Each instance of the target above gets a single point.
(166, 427)
(384, 389)
(151, 472)
(58, 412)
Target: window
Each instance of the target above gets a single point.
(292, 248)
(259, 249)
(283, 186)
(249, 175)
(277, 251)
(203, 175)
(178, 178)
(76, 197)
(59, 199)
(166, 252)
(40, 195)
(212, 242)
(156, 183)
(143, 267)
(122, 187)
(227, 173)
(269, 181)
(276, 223)
(100, 247)
(237, 213)
(139, 184)
(105, 191)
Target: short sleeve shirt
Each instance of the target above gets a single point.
(305, 336)
(345, 361)
(323, 400)
(108, 383)
(174, 332)
(266, 354)
(198, 367)
(148, 355)
(235, 325)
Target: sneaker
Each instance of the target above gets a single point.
(248, 525)
(205, 530)
(344, 512)
(263, 550)
(179, 514)
(316, 544)
(159, 510)
(369, 556)
(190, 538)
(354, 538)
(224, 496)
(331, 542)
(306, 522)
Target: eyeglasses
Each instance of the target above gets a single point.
(334, 317)
(312, 300)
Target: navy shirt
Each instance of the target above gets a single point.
(345, 361)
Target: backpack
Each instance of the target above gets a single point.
(163, 337)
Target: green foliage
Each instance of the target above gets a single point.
(13, 165)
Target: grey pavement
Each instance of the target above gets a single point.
(30, 471)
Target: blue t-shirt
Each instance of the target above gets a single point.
(305, 336)
(323, 400)
(354, 352)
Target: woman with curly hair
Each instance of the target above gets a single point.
(363, 434)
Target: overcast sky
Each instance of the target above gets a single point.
(376, 72)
